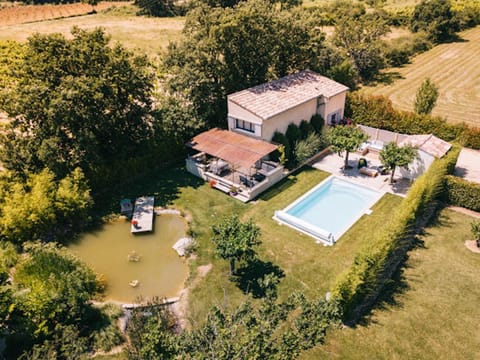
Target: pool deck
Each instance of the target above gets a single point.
(333, 163)
(143, 214)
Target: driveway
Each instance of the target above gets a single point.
(468, 165)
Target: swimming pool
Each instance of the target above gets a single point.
(329, 209)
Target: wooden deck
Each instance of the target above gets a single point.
(143, 215)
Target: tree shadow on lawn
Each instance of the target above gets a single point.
(454, 38)
(385, 78)
(164, 184)
(398, 285)
(251, 278)
(393, 288)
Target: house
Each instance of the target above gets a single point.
(239, 160)
(262, 110)
(429, 148)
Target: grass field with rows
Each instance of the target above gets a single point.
(454, 67)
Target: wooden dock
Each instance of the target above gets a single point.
(142, 220)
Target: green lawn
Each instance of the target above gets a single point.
(307, 266)
(435, 311)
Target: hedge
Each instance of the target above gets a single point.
(460, 192)
(358, 287)
(378, 111)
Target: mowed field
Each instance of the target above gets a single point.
(434, 313)
(454, 67)
(150, 35)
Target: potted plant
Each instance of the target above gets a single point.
(233, 190)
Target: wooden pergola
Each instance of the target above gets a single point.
(241, 151)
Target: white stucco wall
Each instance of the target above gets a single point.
(335, 103)
(419, 165)
(239, 112)
(281, 121)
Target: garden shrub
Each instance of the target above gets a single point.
(305, 128)
(317, 123)
(460, 192)
(305, 149)
(358, 287)
(280, 138)
(400, 50)
(470, 137)
(293, 134)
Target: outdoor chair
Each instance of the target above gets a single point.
(259, 177)
(368, 171)
(243, 180)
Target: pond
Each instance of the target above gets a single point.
(159, 270)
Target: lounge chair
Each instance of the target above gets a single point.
(368, 171)
(243, 180)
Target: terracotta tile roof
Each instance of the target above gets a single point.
(237, 149)
(429, 143)
(269, 99)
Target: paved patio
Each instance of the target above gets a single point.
(333, 163)
(468, 165)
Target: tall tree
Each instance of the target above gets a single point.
(78, 102)
(436, 18)
(226, 50)
(393, 155)
(426, 98)
(360, 40)
(235, 240)
(152, 336)
(160, 8)
(42, 208)
(345, 138)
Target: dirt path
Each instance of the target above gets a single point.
(180, 308)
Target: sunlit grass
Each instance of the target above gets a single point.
(308, 267)
(434, 312)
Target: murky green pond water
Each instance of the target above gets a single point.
(159, 271)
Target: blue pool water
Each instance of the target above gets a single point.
(329, 209)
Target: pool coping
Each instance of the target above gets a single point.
(328, 238)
